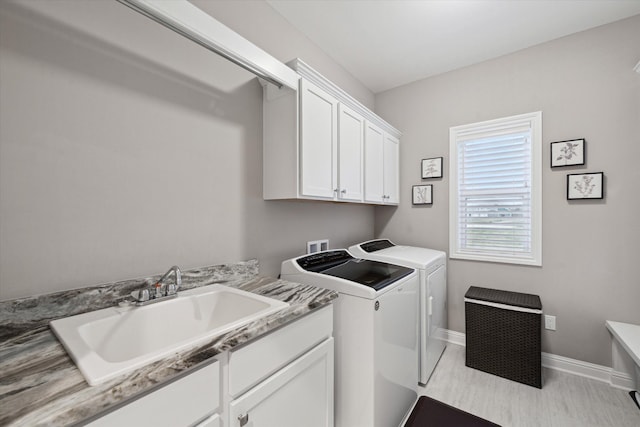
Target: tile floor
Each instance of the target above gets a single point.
(565, 400)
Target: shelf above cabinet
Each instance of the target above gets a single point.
(191, 22)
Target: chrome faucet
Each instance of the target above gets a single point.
(171, 289)
(146, 296)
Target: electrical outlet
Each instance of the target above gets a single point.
(550, 322)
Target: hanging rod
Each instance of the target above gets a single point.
(189, 21)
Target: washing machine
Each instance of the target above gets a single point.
(375, 333)
(432, 267)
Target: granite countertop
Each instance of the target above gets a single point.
(40, 384)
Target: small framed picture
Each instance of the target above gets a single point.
(432, 168)
(567, 153)
(585, 186)
(422, 194)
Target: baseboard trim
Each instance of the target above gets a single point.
(576, 367)
(622, 380)
(456, 338)
(580, 368)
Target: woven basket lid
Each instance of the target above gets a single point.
(504, 297)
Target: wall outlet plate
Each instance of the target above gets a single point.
(550, 322)
(317, 246)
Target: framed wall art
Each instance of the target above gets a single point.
(422, 195)
(432, 168)
(567, 153)
(585, 186)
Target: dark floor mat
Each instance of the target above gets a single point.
(430, 413)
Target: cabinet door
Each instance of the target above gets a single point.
(300, 394)
(180, 403)
(318, 142)
(350, 149)
(391, 151)
(212, 421)
(252, 364)
(373, 164)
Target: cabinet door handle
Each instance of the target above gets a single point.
(344, 191)
(335, 190)
(244, 419)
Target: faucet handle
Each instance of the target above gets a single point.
(171, 289)
(158, 290)
(141, 295)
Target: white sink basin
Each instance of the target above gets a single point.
(110, 342)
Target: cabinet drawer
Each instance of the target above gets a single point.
(254, 362)
(180, 403)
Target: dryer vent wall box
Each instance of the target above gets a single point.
(317, 246)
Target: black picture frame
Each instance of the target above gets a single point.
(585, 186)
(571, 152)
(431, 168)
(422, 194)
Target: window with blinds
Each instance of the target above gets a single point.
(496, 190)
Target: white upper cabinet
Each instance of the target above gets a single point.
(380, 166)
(350, 146)
(390, 169)
(319, 144)
(373, 164)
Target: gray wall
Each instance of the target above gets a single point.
(585, 86)
(259, 23)
(125, 149)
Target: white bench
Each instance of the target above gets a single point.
(628, 336)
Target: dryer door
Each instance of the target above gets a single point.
(436, 321)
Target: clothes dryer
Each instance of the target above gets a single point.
(432, 267)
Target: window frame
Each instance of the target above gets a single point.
(534, 121)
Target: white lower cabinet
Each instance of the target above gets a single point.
(282, 379)
(286, 378)
(301, 394)
(212, 421)
(183, 402)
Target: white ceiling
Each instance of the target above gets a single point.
(387, 43)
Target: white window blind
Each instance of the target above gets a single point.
(495, 212)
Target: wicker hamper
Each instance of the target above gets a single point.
(503, 334)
